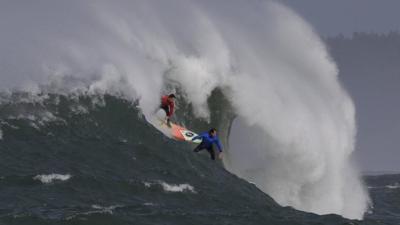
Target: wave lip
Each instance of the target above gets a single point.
(50, 178)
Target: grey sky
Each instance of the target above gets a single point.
(376, 93)
(331, 17)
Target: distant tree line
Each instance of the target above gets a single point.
(373, 52)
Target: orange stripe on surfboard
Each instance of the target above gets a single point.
(177, 132)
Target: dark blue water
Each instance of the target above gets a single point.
(385, 195)
(95, 160)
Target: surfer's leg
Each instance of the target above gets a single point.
(212, 152)
(199, 148)
(166, 109)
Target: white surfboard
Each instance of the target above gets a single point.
(175, 131)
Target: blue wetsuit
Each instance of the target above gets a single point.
(207, 143)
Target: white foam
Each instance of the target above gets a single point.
(39, 119)
(9, 125)
(394, 186)
(104, 209)
(171, 187)
(149, 204)
(97, 209)
(177, 188)
(50, 178)
(79, 109)
(147, 184)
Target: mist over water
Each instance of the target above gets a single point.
(295, 129)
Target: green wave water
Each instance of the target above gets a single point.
(79, 159)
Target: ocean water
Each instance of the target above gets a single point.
(385, 196)
(95, 160)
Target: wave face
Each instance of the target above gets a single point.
(94, 159)
(270, 65)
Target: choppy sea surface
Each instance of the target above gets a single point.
(95, 160)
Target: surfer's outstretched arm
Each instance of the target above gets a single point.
(200, 136)
(219, 146)
(218, 143)
(195, 138)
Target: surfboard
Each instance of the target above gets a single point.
(180, 133)
(183, 134)
(175, 131)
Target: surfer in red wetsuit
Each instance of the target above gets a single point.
(168, 104)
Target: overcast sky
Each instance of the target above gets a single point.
(377, 102)
(332, 17)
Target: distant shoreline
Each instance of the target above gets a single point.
(379, 173)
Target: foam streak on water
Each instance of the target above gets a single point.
(50, 178)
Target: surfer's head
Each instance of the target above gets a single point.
(212, 132)
(171, 98)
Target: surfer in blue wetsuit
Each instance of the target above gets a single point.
(208, 139)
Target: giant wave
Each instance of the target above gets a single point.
(94, 159)
(271, 69)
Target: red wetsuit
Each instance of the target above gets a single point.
(167, 105)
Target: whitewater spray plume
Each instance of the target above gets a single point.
(267, 60)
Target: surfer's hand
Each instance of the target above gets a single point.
(220, 155)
